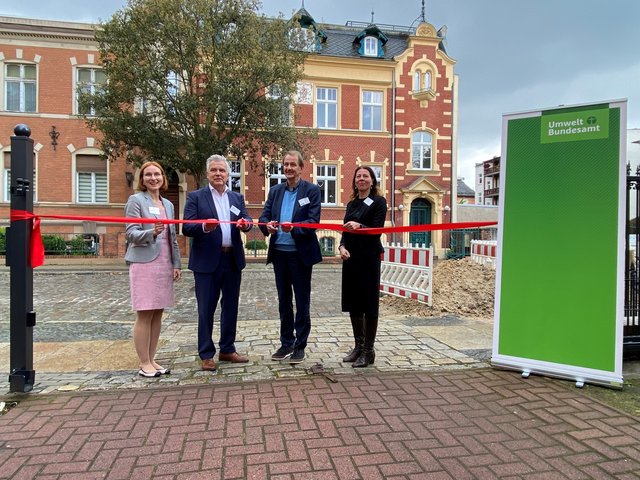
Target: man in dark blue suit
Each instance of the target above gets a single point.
(217, 259)
(293, 251)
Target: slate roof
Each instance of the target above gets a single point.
(464, 190)
(339, 43)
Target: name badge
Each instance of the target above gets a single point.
(367, 201)
(304, 201)
(234, 210)
(154, 210)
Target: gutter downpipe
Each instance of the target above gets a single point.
(453, 200)
(393, 153)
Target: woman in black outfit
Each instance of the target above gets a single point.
(360, 254)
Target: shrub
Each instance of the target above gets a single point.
(77, 246)
(54, 244)
(256, 245)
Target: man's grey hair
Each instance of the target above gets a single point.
(218, 158)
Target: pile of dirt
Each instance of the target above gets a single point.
(460, 287)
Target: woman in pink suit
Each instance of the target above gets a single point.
(154, 264)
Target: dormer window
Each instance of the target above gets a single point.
(370, 47)
(305, 35)
(370, 42)
(303, 39)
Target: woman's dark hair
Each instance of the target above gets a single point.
(374, 182)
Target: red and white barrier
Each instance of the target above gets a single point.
(484, 252)
(407, 272)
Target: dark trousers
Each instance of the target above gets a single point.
(226, 281)
(293, 278)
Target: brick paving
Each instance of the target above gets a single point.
(468, 424)
(427, 410)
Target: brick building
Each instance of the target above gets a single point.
(378, 95)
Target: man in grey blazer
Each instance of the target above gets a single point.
(217, 259)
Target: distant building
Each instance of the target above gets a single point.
(466, 195)
(487, 182)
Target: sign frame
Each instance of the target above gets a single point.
(527, 337)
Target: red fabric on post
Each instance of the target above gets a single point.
(37, 247)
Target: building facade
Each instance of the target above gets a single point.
(487, 182)
(378, 95)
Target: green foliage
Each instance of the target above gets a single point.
(54, 245)
(78, 245)
(3, 241)
(255, 245)
(203, 68)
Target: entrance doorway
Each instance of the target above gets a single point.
(420, 215)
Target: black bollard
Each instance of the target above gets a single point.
(22, 317)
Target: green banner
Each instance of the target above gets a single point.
(560, 231)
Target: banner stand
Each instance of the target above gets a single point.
(560, 256)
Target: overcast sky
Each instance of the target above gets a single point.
(512, 55)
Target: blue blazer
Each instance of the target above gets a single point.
(143, 247)
(304, 211)
(205, 249)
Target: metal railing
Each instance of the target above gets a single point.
(256, 245)
(632, 264)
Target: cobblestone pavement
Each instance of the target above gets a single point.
(83, 334)
(468, 424)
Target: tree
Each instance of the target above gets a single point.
(190, 78)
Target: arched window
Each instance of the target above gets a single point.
(416, 81)
(421, 150)
(371, 46)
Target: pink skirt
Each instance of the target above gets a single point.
(151, 283)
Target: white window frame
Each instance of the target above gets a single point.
(329, 106)
(418, 148)
(370, 104)
(326, 176)
(379, 169)
(6, 177)
(22, 82)
(370, 47)
(91, 85)
(277, 175)
(274, 93)
(235, 175)
(6, 182)
(417, 76)
(93, 187)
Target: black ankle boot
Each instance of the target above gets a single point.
(366, 358)
(353, 355)
(357, 322)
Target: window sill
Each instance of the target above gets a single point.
(423, 171)
(427, 94)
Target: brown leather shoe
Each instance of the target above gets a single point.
(209, 365)
(233, 357)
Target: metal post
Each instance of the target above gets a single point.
(22, 317)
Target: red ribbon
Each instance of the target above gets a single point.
(37, 247)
